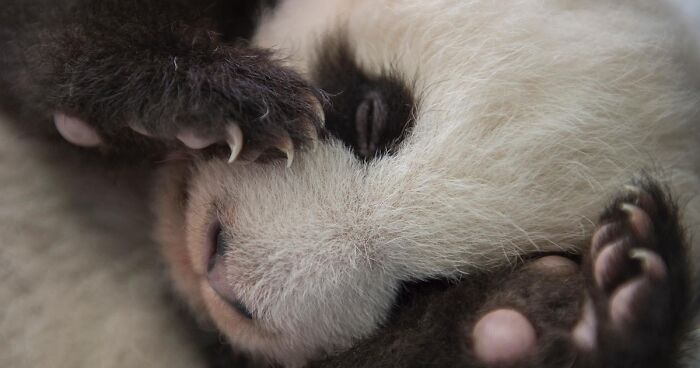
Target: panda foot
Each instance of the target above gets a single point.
(233, 135)
(634, 304)
(515, 328)
(634, 275)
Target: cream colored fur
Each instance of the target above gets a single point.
(532, 115)
(80, 284)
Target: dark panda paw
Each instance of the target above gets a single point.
(527, 317)
(624, 305)
(635, 277)
(634, 304)
(116, 71)
(244, 101)
(247, 139)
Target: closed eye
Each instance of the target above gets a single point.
(371, 114)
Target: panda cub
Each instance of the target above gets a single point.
(456, 139)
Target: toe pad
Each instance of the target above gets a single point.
(503, 336)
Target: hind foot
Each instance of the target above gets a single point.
(632, 310)
(635, 274)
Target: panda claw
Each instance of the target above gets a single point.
(138, 128)
(652, 265)
(640, 221)
(318, 108)
(290, 157)
(234, 139)
(286, 146)
(314, 140)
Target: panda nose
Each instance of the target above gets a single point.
(218, 276)
(219, 282)
(217, 247)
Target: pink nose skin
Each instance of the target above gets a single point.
(219, 282)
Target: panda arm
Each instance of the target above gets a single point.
(165, 69)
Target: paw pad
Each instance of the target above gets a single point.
(76, 131)
(635, 288)
(503, 336)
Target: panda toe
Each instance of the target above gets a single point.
(77, 131)
(503, 337)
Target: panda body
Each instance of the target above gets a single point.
(528, 117)
(525, 117)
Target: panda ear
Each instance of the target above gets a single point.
(76, 131)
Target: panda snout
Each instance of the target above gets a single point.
(217, 272)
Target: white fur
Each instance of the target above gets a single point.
(532, 114)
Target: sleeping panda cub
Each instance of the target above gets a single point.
(460, 140)
(463, 137)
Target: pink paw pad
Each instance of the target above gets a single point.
(503, 336)
(76, 131)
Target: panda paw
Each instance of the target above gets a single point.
(245, 139)
(631, 312)
(635, 281)
(272, 125)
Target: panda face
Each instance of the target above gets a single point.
(463, 134)
(276, 272)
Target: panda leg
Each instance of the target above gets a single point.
(635, 300)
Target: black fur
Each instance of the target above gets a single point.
(651, 341)
(371, 114)
(160, 64)
(169, 65)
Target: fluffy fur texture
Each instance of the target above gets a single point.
(81, 285)
(161, 67)
(440, 325)
(530, 114)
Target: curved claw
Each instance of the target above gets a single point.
(318, 107)
(314, 139)
(651, 263)
(234, 139)
(287, 147)
(138, 128)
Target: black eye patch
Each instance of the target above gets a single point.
(237, 19)
(371, 114)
